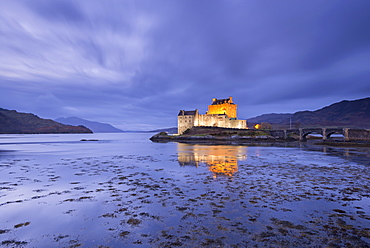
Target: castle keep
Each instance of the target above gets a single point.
(221, 113)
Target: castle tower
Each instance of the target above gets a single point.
(222, 106)
(185, 120)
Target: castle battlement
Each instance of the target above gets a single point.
(221, 113)
(222, 106)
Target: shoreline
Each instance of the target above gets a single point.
(251, 141)
(343, 144)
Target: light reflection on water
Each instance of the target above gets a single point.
(125, 191)
(221, 159)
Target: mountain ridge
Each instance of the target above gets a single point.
(346, 113)
(13, 122)
(96, 127)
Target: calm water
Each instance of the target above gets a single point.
(125, 191)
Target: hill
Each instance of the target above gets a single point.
(96, 127)
(13, 122)
(345, 113)
(355, 114)
(270, 118)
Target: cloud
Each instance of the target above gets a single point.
(139, 62)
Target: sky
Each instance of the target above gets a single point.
(135, 64)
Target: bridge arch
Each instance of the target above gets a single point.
(330, 131)
(308, 133)
(305, 132)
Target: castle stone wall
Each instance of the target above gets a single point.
(219, 121)
(184, 122)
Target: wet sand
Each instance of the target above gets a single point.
(147, 196)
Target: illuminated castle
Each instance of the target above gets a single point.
(221, 113)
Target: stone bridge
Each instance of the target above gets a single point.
(349, 134)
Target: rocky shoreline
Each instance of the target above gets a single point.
(251, 140)
(216, 139)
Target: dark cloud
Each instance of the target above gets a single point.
(136, 63)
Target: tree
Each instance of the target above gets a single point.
(266, 126)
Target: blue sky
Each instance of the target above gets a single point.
(135, 64)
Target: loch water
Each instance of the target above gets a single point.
(122, 190)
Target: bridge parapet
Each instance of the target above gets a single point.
(283, 133)
(278, 134)
(357, 134)
(349, 134)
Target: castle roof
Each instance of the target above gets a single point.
(191, 112)
(216, 101)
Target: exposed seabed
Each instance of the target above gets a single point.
(276, 197)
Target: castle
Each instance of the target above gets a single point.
(221, 113)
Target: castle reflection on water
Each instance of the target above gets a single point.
(224, 159)
(220, 159)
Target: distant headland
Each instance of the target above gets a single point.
(94, 126)
(13, 122)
